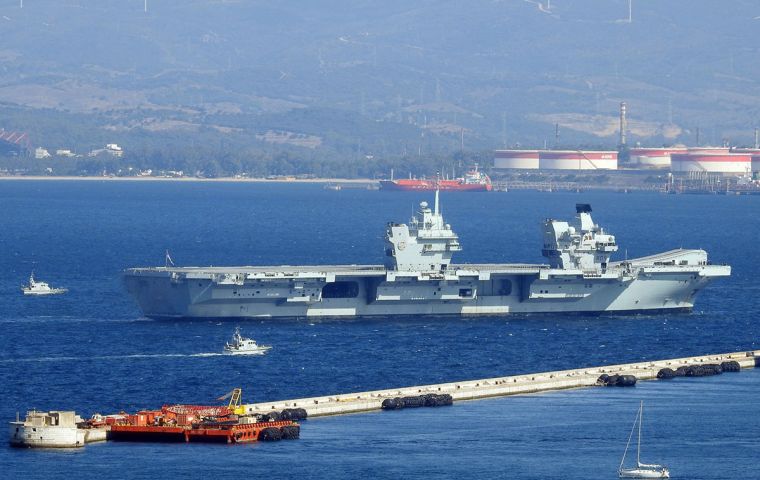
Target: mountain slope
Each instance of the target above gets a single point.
(414, 77)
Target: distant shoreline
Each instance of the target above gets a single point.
(188, 179)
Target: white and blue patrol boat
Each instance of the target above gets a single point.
(419, 278)
(241, 345)
(37, 288)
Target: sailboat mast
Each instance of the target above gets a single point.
(641, 420)
(628, 443)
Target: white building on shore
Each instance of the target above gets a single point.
(40, 153)
(64, 152)
(114, 149)
(111, 149)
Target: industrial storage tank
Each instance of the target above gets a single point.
(754, 161)
(708, 150)
(578, 160)
(525, 159)
(751, 151)
(734, 163)
(645, 157)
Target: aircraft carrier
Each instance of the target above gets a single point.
(418, 278)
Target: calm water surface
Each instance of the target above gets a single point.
(91, 350)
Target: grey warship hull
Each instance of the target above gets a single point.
(418, 278)
(669, 281)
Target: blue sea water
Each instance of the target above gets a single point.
(91, 350)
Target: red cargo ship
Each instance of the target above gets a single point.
(473, 181)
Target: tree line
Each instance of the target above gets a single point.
(211, 163)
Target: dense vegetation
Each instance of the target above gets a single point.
(252, 163)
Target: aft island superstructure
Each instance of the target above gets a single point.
(418, 278)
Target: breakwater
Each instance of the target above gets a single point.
(274, 420)
(340, 404)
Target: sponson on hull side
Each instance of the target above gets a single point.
(418, 278)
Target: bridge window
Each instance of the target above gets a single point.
(465, 292)
(505, 287)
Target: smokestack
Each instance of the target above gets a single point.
(757, 137)
(556, 135)
(697, 136)
(623, 123)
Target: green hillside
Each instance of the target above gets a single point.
(353, 82)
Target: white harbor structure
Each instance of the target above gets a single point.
(54, 429)
(419, 278)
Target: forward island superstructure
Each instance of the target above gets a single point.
(418, 278)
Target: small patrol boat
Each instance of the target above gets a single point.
(40, 288)
(244, 346)
(641, 470)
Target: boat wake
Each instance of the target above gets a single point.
(110, 357)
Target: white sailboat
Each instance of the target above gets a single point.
(641, 470)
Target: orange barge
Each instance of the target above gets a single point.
(209, 433)
(198, 423)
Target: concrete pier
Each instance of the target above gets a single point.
(496, 387)
(93, 435)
